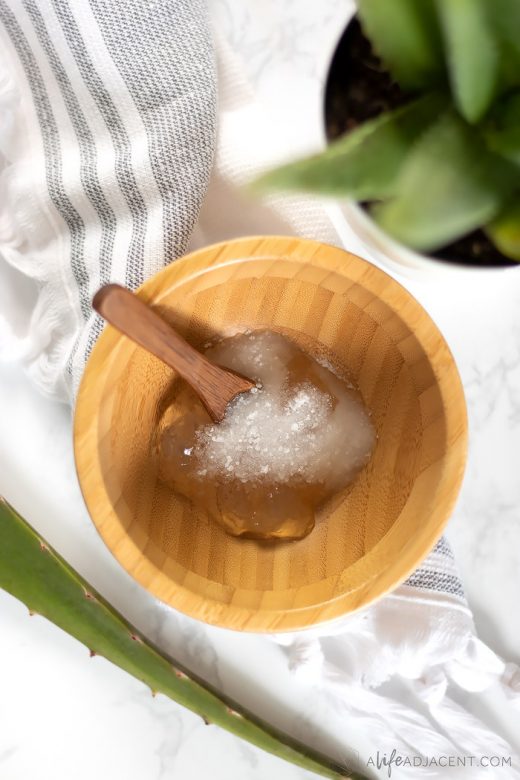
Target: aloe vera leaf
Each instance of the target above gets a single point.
(504, 231)
(502, 134)
(363, 164)
(506, 143)
(472, 54)
(449, 186)
(35, 574)
(507, 112)
(504, 16)
(405, 34)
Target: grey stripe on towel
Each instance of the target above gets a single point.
(86, 144)
(123, 155)
(144, 39)
(125, 91)
(53, 159)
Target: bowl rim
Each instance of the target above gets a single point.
(230, 615)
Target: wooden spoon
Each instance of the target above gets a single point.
(215, 386)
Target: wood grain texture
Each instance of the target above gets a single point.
(215, 386)
(372, 537)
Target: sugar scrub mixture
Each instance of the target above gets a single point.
(282, 450)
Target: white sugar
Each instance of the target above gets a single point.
(284, 430)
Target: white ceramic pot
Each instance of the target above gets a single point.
(403, 260)
(389, 253)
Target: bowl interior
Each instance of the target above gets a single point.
(367, 539)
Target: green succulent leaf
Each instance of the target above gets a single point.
(506, 143)
(405, 34)
(35, 574)
(507, 111)
(365, 163)
(504, 231)
(504, 16)
(472, 54)
(502, 133)
(449, 186)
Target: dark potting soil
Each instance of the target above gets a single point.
(359, 88)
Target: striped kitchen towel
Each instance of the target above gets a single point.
(107, 134)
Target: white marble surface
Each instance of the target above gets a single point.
(64, 715)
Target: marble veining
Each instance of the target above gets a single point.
(63, 714)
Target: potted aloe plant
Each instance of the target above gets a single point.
(425, 98)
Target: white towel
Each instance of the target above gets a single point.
(107, 135)
(108, 115)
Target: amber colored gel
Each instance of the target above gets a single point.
(282, 450)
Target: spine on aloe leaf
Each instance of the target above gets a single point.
(35, 574)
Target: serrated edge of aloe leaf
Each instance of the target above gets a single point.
(388, 215)
(421, 69)
(32, 571)
(291, 177)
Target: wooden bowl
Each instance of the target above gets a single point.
(376, 535)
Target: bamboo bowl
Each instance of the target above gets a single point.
(374, 536)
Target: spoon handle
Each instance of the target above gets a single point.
(129, 314)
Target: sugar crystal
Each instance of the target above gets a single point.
(282, 449)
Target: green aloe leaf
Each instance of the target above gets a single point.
(503, 131)
(365, 163)
(504, 231)
(449, 186)
(405, 34)
(504, 16)
(36, 575)
(506, 143)
(472, 54)
(508, 111)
